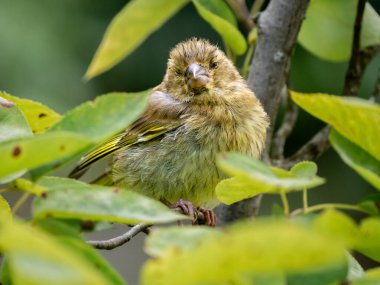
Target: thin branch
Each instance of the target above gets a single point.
(355, 68)
(242, 13)
(358, 62)
(132, 232)
(119, 240)
(290, 118)
(376, 91)
(20, 202)
(317, 145)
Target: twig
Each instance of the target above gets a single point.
(290, 118)
(355, 68)
(132, 232)
(376, 91)
(20, 202)
(119, 240)
(318, 144)
(242, 13)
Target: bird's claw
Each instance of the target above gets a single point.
(187, 207)
(208, 219)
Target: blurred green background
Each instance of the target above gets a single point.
(47, 45)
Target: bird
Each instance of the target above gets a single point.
(203, 107)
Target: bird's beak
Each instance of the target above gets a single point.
(196, 76)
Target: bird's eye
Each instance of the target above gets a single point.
(213, 64)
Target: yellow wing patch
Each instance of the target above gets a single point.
(141, 131)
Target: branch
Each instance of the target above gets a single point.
(132, 232)
(355, 68)
(376, 91)
(318, 144)
(358, 62)
(119, 240)
(278, 27)
(245, 209)
(290, 118)
(242, 13)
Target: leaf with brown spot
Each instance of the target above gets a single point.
(13, 124)
(31, 152)
(16, 151)
(98, 203)
(39, 116)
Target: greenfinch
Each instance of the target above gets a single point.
(203, 107)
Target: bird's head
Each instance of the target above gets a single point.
(198, 70)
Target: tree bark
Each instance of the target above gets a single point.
(278, 27)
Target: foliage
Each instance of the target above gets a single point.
(297, 247)
(333, 20)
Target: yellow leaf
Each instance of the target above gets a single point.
(39, 116)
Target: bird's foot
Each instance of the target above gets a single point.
(199, 215)
(209, 217)
(187, 208)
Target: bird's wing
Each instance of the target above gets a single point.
(147, 128)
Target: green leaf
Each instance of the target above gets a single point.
(230, 34)
(5, 210)
(30, 152)
(368, 240)
(39, 116)
(13, 125)
(305, 169)
(105, 116)
(177, 239)
(128, 29)
(71, 228)
(100, 203)
(371, 204)
(219, 8)
(338, 226)
(356, 119)
(354, 156)
(372, 277)
(317, 276)
(55, 183)
(12, 122)
(253, 177)
(5, 274)
(42, 259)
(245, 250)
(333, 22)
(94, 258)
